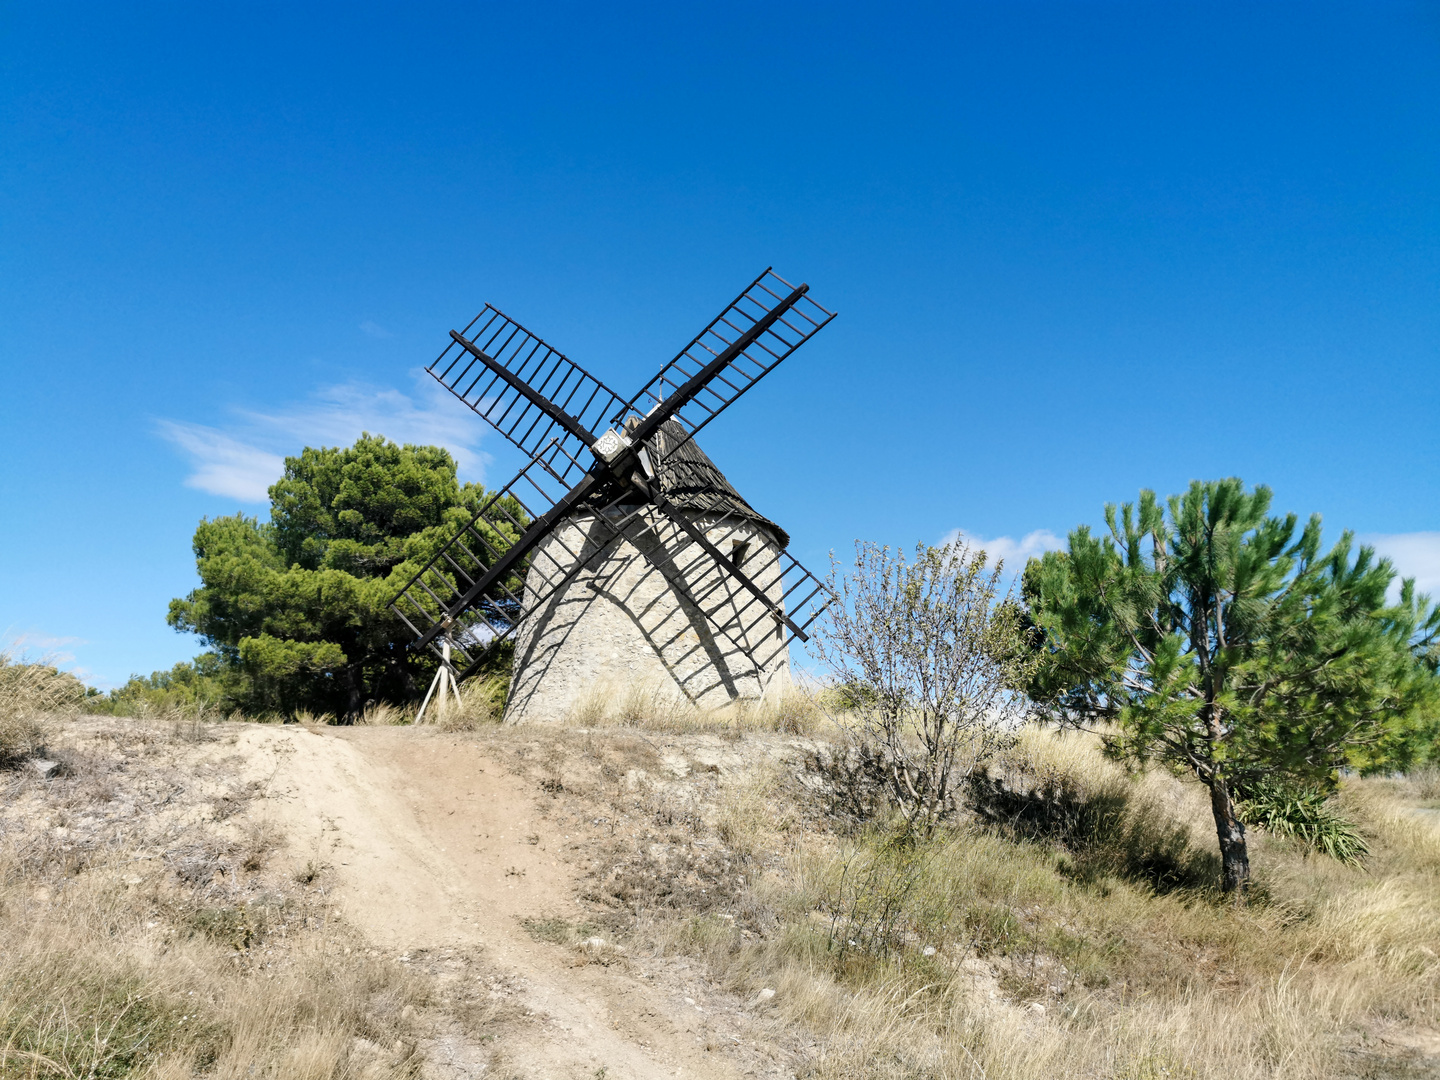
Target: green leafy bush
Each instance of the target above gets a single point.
(191, 686)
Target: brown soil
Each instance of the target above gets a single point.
(439, 845)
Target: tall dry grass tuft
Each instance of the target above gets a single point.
(29, 692)
(1426, 781)
(653, 706)
(482, 705)
(314, 719)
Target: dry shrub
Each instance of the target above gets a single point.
(928, 649)
(22, 735)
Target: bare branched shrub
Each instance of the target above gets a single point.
(926, 652)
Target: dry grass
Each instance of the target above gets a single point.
(149, 926)
(1426, 782)
(84, 992)
(482, 704)
(31, 692)
(482, 701)
(36, 686)
(1089, 943)
(652, 706)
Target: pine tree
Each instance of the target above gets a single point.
(1217, 640)
(297, 608)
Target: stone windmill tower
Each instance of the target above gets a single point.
(627, 556)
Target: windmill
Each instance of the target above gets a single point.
(619, 548)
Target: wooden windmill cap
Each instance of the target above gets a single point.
(689, 479)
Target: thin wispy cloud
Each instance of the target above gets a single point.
(1415, 555)
(1014, 553)
(242, 459)
(223, 465)
(38, 647)
(374, 329)
(36, 640)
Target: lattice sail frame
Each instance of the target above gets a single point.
(434, 598)
(550, 407)
(800, 322)
(493, 395)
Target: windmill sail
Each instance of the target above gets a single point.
(481, 585)
(743, 344)
(522, 387)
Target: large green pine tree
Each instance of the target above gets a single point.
(296, 607)
(1218, 640)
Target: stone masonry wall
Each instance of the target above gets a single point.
(691, 630)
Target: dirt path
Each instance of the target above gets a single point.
(436, 846)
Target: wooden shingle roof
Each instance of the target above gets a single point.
(691, 480)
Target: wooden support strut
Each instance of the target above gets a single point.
(444, 681)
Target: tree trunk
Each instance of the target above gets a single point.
(1234, 857)
(356, 693)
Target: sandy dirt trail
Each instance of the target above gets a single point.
(434, 845)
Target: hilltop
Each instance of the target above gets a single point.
(238, 899)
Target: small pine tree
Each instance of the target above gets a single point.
(1216, 640)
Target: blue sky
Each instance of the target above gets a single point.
(1076, 249)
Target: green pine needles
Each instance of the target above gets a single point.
(296, 608)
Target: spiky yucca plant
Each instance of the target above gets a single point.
(1307, 815)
